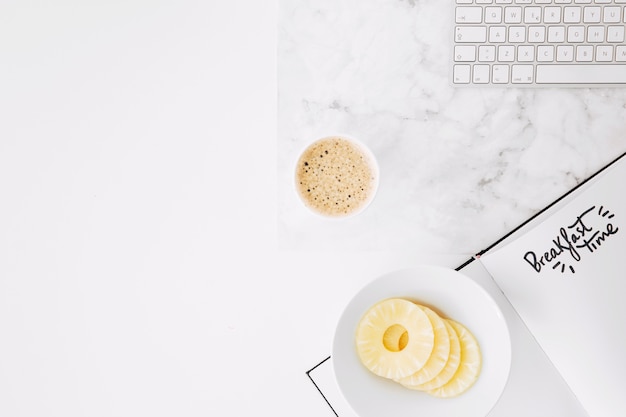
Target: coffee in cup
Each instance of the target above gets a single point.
(336, 176)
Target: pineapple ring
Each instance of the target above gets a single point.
(439, 356)
(452, 365)
(469, 368)
(394, 338)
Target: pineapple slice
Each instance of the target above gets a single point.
(450, 368)
(394, 338)
(469, 368)
(439, 356)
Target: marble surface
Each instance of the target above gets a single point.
(460, 167)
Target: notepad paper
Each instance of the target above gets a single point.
(566, 278)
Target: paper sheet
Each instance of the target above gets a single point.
(566, 279)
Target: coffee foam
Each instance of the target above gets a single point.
(336, 177)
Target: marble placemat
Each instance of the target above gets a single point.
(459, 166)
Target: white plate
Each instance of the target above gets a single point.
(453, 295)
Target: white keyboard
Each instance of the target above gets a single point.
(529, 43)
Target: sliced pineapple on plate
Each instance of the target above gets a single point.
(469, 368)
(395, 338)
(414, 346)
(450, 368)
(439, 356)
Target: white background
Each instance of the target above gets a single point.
(139, 273)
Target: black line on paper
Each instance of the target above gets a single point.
(308, 373)
(539, 213)
(469, 261)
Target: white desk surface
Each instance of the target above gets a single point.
(147, 266)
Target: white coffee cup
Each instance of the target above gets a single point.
(336, 176)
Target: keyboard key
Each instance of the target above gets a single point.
(584, 53)
(522, 74)
(604, 53)
(545, 53)
(465, 53)
(556, 34)
(526, 53)
(536, 34)
(471, 34)
(506, 53)
(469, 14)
(565, 53)
(493, 15)
(500, 74)
(486, 53)
(620, 53)
(611, 14)
(571, 14)
(461, 74)
(532, 15)
(517, 34)
(591, 14)
(615, 34)
(575, 34)
(481, 74)
(595, 34)
(552, 15)
(512, 14)
(497, 34)
(581, 74)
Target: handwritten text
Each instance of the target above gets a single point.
(581, 237)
